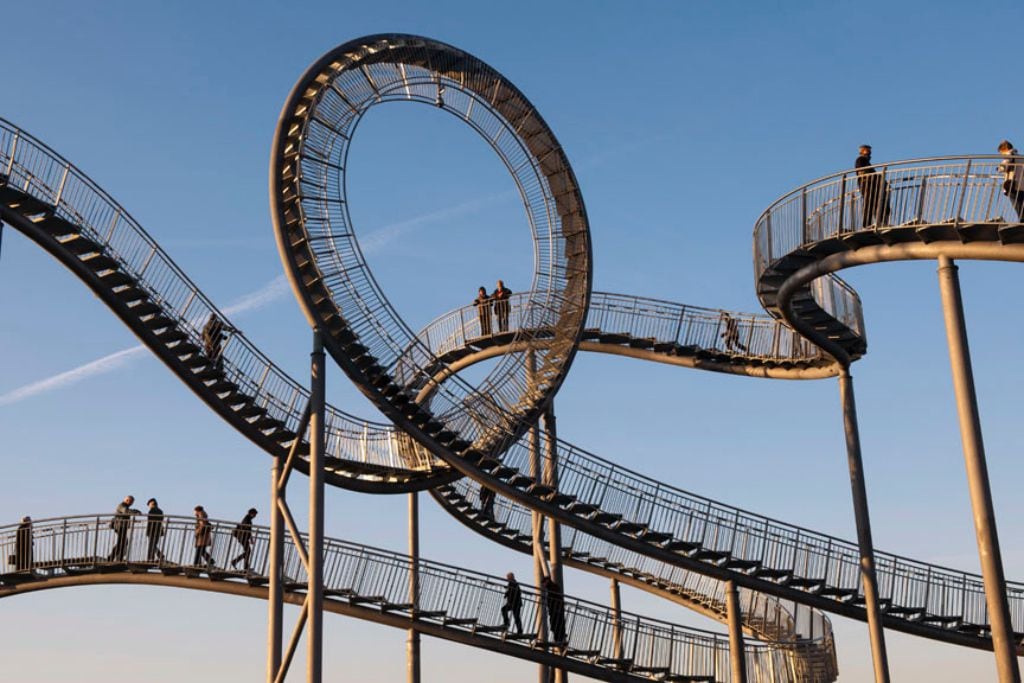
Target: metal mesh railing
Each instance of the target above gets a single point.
(805, 633)
(453, 596)
(683, 327)
(949, 191)
(32, 167)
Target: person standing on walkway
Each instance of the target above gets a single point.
(502, 306)
(483, 310)
(243, 534)
(556, 608)
(1012, 169)
(122, 524)
(204, 537)
(513, 603)
(154, 530)
(23, 542)
(874, 191)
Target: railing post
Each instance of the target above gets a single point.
(1003, 641)
(921, 199)
(863, 521)
(804, 237)
(10, 158)
(60, 188)
(842, 204)
(963, 196)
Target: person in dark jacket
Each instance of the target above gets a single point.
(556, 608)
(154, 530)
(513, 603)
(122, 524)
(213, 340)
(204, 537)
(487, 502)
(731, 334)
(874, 191)
(500, 297)
(483, 310)
(1012, 169)
(243, 534)
(23, 542)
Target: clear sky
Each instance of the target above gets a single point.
(683, 121)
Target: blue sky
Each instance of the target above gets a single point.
(683, 121)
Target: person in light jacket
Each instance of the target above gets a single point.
(204, 537)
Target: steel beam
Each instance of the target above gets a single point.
(275, 592)
(1003, 641)
(617, 643)
(315, 588)
(862, 517)
(413, 640)
(537, 525)
(737, 656)
(554, 528)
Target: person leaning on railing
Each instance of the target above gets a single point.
(121, 524)
(1013, 176)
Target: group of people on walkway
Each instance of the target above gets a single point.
(875, 190)
(498, 302)
(155, 529)
(554, 601)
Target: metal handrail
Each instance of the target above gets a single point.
(955, 191)
(33, 167)
(804, 632)
(756, 337)
(459, 598)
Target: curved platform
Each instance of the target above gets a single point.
(948, 206)
(372, 584)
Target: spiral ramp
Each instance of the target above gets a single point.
(50, 201)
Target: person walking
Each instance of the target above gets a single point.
(23, 542)
(243, 534)
(513, 603)
(204, 537)
(487, 496)
(122, 524)
(556, 608)
(483, 311)
(874, 191)
(731, 334)
(502, 306)
(214, 334)
(1012, 169)
(154, 531)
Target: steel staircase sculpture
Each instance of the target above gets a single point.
(366, 455)
(446, 428)
(369, 583)
(484, 430)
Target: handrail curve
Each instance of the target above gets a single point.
(457, 602)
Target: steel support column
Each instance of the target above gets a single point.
(862, 517)
(737, 657)
(554, 528)
(275, 596)
(413, 640)
(977, 474)
(315, 587)
(617, 644)
(537, 524)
